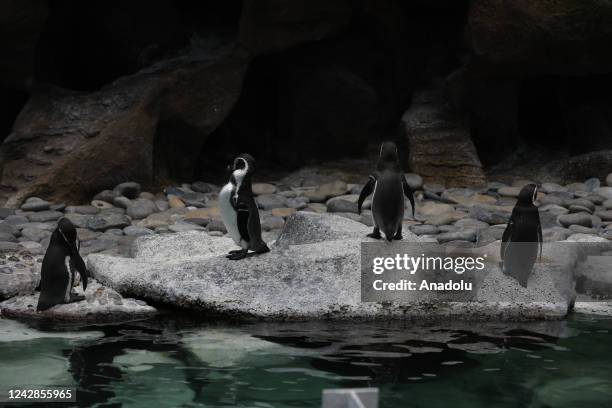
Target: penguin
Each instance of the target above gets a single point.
(388, 185)
(522, 238)
(239, 210)
(58, 267)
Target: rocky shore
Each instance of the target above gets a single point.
(111, 222)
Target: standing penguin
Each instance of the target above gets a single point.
(58, 267)
(388, 186)
(522, 238)
(239, 211)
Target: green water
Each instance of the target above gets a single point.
(170, 361)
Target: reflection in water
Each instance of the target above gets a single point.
(191, 363)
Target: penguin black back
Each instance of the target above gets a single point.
(388, 186)
(56, 276)
(522, 238)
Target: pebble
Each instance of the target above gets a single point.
(5, 212)
(122, 202)
(175, 202)
(263, 188)
(147, 195)
(575, 219)
(128, 189)
(140, 208)
(35, 204)
(555, 234)
(101, 205)
(581, 230)
(552, 188)
(35, 234)
(283, 212)
(509, 191)
(472, 223)
(44, 216)
(432, 209)
(273, 222)
(424, 229)
(605, 215)
(554, 209)
(605, 192)
(270, 201)
(79, 220)
(216, 225)
(460, 235)
(107, 196)
(592, 183)
(343, 203)
(103, 222)
(489, 216)
(82, 209)
(446, 218)
(573, 187)
(137, 231)
(415, 182)
(326, 191)
(202, 187)
(162, 205)
(299, 203)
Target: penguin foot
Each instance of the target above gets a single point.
(76, 298)
(398, 237)
(235, 251)
(237, 255)
(375, 236)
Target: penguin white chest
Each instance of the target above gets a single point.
(69, 283)
(228, 213)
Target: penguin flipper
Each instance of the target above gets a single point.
(408, 193)
(366, 191)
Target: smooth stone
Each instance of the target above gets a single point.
(448, 228)
(446, 218)
(86, 234)
(283, 212)
(491, 234)
(551, 199)
(146, 195)
(366, 218)
(6, 237)
(107, 196)
(44, 216)
(122, 202)
(582, 202)
(137, 231)
(326, 191)
(101, 205)
(460, 235)
(573, 208)
(607, 234)
(35, 204)
(19, 272)
(103, 222)
(344, 203)
(216, 225)
(184, 226)
(491, 217)
(140, 208)
(10, 229)
(175, 202)
(129, 189)
(16, 220)
(270, 201)
(162, 205)
(47, 226)
(583, 219)
(605, 192)
(585, 238)
(193, 199)
(433, 188)
(579, 229)
(509, 191)
(552, 188)
(554, 209)
(592, 183)
(35, 234)
(299, 203)
(79, 220)
(9, 246)
(415, 182)
(273, 222)
(472, 224)
(5, 212)
(424, 229)
(605, 215)
(609, 180)
(82, 209)
(58, 207)
(595, 199)
(573, 187)
(607, 204)
(203, 187)
(316, 207)
(263, 188)
(433, 209)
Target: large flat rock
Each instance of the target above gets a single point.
(19, 273)
(101, 305)
(314, 271)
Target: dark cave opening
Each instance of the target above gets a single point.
(570, 115)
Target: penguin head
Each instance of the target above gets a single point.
(244, 163)
(528, 194)
(388, 158)
(66, 233)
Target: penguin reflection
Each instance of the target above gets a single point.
(58, 267)
(523, 237)
(388, 185)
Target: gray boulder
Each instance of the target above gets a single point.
(140, 208)
(313, 271)
(19, 273)
(101, 305)
(594, 277)
(128, 189)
